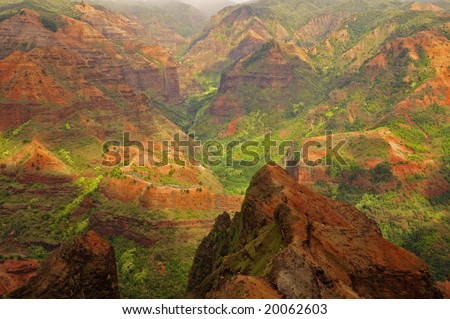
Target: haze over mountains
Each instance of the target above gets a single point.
(207, 7)
(74, 75)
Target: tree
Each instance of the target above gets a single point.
(382, 173)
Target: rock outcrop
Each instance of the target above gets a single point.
(83, 268)
(15, 273)
(266, 68)
(444, 288)
(299, 244)
(244, 287)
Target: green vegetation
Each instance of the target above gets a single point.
(414, 138)
(65, 156)
(40, 206)
(53, 22)
(49, 8)
(88, 187)
(431, 242)
(197, 103)
(160, 271)
(382, 173)
(5, 15)
(254, 257)
(38, 252)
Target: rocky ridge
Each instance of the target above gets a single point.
(304, 245)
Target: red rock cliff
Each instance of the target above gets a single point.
(304, 245)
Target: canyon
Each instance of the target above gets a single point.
(86, 87)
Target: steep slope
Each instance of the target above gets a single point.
(74, 75)
(84, 268)
(444, 287)
(305, 246)
(331, 36)
(239, 30)
(266, 81)
(38, 74)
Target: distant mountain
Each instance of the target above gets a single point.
(209, 7)
(171, 15)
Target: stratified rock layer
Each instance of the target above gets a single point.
(48, 76)
(303, 245)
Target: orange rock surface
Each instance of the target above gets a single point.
(328, 249)
(15, 273)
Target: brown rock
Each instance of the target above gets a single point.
(306, 246)
(245, 287)
(109, 226)
(83, 268)
(15, 273)
(175, 197)
(444, 288)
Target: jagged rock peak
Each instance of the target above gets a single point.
(295, 243)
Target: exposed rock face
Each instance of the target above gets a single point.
(160, 197)
(48, 76)
(112, 25)
(141, 231)
(15, 273)
(444, 288)
(272, 68)
(84, 268)
(425, 7)
(244, 287)
(305, 245)
(277, 72)
(208, 254)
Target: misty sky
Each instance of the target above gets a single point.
(208, 7)
(199, 2)
(211, 7)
